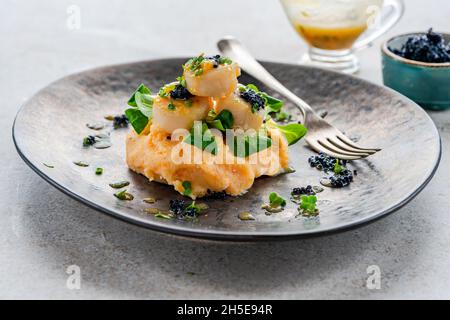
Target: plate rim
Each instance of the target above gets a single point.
(221, 235)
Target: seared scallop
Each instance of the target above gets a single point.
(246, 115)
(211, 76)
(171, 114)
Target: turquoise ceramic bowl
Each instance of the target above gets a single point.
(428, 84)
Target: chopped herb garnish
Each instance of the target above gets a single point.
(308, 205)
(124, 195)
(201, 137)
(245, 216)
(99, 171)
(195, 64)
(187, 188)
(142, 108)
(109, 117)
(171, 106)
(48, 165)
(81, 163)
(119, 184)
(182, 81)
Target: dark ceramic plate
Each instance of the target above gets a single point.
(49, 129)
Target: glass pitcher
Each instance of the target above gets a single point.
(335, 29)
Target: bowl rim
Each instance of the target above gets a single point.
(386, 51)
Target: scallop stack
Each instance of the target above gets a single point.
(208, 86)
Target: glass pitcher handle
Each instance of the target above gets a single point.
(387, 19)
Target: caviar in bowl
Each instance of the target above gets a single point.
(426, 82)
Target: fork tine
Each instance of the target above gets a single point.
(339, 150)
(319, 148)
(346, 140)
(338, 143)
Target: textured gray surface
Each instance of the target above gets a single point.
(43, 231)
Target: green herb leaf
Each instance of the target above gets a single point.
(222, 121)
(246, 145)
(338, 168)
(293, 131)
(142, 108)
(119, 184)
(201, 137)
(171, 106)
(99, 171)
(187, 188)
(141, 89)
(48, 165)
(124, 195)
(137, 119)
(276, 201)
(282, 116)
(309, 203)
(144, 104)
(272, 104)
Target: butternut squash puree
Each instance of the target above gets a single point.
(150, 154)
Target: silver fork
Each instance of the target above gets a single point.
(322, 136)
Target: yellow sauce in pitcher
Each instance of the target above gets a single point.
(330, 38)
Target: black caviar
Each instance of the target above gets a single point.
(327, 164)
(254, 99)
(308, 190)
(342, 179)
(180, 93)
(177, 207)
(429, 47)
(323, 162)
(120, 121)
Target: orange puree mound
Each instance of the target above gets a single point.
(151, 154)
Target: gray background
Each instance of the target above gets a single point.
(42, 231)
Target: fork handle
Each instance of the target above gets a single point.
(232, 48)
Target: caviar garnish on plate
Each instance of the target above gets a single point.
(340, 175)
(308, 190)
